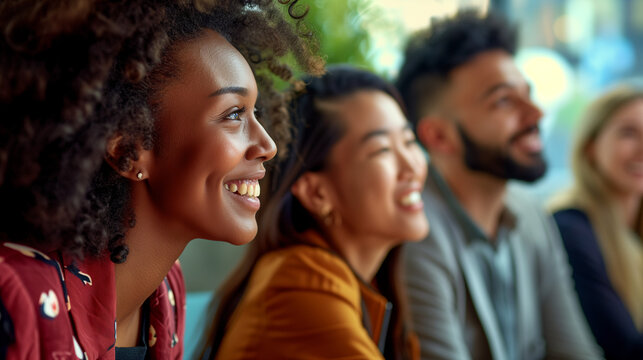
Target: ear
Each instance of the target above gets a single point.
(435, 134)
(133, 169)
(313, 192)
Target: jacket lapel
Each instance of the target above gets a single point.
(468, 262)
(524, 297)
(481, 302)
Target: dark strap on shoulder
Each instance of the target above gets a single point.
(385, 322)
(366, 322)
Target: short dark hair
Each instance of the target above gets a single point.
(433, 53)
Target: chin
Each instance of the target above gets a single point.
(242, 240)
(238, 236)
(417, 232)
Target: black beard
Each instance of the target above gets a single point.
(499, 163)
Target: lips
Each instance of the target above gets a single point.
(527, 131)
(245, 187)
(528, 139)
(411, 198)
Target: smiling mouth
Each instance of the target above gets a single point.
(529, 140)
(248, 188)
(411, 198)
(525, 132)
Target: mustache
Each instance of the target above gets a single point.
(526, 131)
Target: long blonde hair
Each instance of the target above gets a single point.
(621, 247)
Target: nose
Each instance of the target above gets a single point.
(262, 147)
(413, 164)
(532, 112)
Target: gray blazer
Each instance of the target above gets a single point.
(451, 311)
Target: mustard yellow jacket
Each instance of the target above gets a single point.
(304, 302)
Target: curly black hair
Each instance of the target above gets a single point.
(75, 74)
(433, 53)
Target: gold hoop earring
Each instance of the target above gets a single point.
(329, 217)
(328, 220)
(324, 214)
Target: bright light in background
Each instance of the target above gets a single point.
(551, 78)
(549, 73)
(417, 13)
(410, 16)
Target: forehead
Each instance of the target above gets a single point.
(212, 61)
(365, 111)
(485, 71)
(632, 112)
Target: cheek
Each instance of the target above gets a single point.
(613, 159)
(493, 125)
(368, 186)
(226, 155)
(420, 163)
(609, 155)
(501, 128)
(603, 158)
(203, 154)
(191, 169)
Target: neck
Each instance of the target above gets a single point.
(154, 246)
(364, 254)
(480, 194)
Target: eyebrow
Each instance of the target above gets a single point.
(381, 132)
(501, 86)
(230, 90)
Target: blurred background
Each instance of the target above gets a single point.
(570, 50)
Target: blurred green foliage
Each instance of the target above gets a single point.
(339, 26)
(570, 113)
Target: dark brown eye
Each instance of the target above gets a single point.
(236, 114)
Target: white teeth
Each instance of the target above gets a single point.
(249, 190)
(411, 199)
(243, 189)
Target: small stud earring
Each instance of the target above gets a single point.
(139, 175)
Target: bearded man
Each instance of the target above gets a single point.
(491, 281)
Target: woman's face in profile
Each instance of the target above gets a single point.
(208, 159)
(618, 149)
(377, 170)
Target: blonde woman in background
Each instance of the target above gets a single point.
(601, 221)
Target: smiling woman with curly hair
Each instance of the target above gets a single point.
(128, 129)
